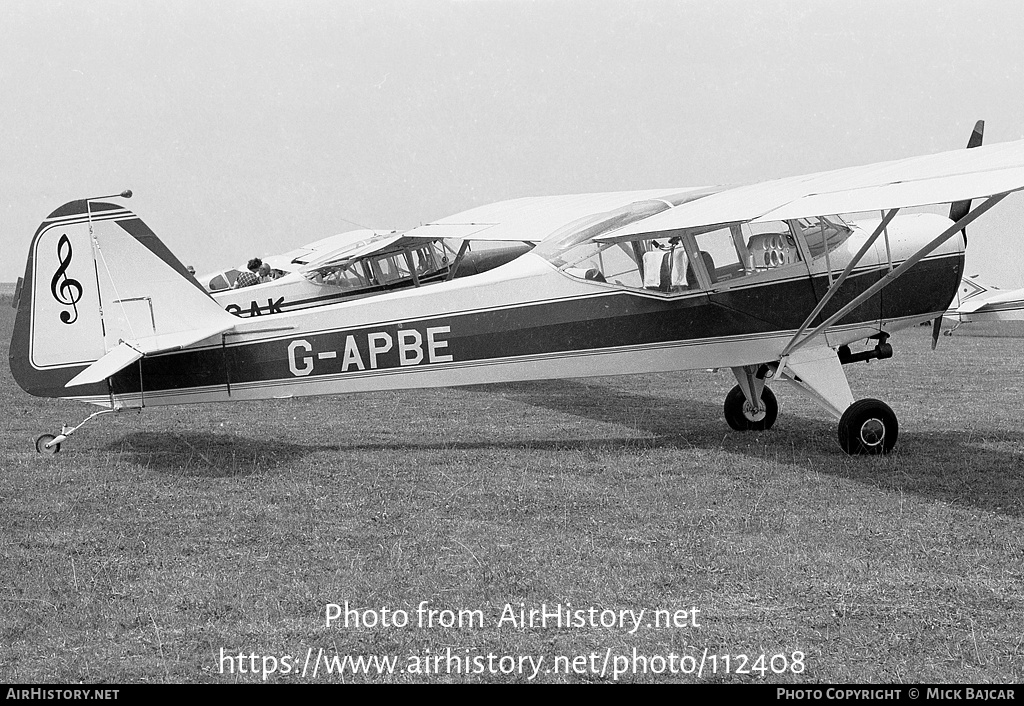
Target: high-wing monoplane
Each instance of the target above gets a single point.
(771, 280)
(382, 263)
(366, 263)
(293, 260)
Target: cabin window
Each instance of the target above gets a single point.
(667, 263)
(642, 264)
(431, 258)
(573, 250)
(675, 261)
(218, 283)
(391, 268)
(720, 249)
(823, 234)
(223, 280)
(424, 260)
(428, 259)
(604, 263)
(348, 275)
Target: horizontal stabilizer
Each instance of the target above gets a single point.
(972, 305)
(127, 352)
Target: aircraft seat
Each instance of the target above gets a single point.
(709, 265)
(663, 269)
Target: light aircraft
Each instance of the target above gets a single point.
(365, 263)
(764, 279)
(292, 260)
(376, 263)
(976, 302)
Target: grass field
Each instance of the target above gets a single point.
(154, 541)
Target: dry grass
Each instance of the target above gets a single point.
(152, 541)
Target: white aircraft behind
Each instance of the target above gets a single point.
(976, 302)
(292, 260)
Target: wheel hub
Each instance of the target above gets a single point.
(753, 415)
(872, 432)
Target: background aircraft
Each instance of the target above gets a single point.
(292, 260)
(980, 302)
(379, 264)
(764, 279)
(366, 263)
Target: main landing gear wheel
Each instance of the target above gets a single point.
(868, 427)
(45, 439)
(740, 413)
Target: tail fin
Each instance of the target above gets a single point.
(100, 291)
(973, 294)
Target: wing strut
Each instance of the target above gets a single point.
(457, 261)
(834, 287)
(991, 201)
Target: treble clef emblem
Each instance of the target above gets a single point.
(65, 290)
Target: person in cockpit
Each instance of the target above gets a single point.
(248, 279)
(266, 273)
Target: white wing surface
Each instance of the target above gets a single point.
(532, 218)
(917, 181)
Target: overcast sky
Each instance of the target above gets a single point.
(251, 127)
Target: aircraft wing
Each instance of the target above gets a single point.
(331, 247)
(387, 242)
(528, 219)
(533, 218)
(917, 181)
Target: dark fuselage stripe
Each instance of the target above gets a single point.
(609, 322)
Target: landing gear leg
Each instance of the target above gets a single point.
(742, 415)
(50, 443)
(750, 406)
(865, 426)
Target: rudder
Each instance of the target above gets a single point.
(97, 276)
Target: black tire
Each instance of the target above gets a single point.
(868, 427)
(44, 439)
(739, 417)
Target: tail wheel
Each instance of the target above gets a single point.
(42, 440)
(740, 415)
(868, 427)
